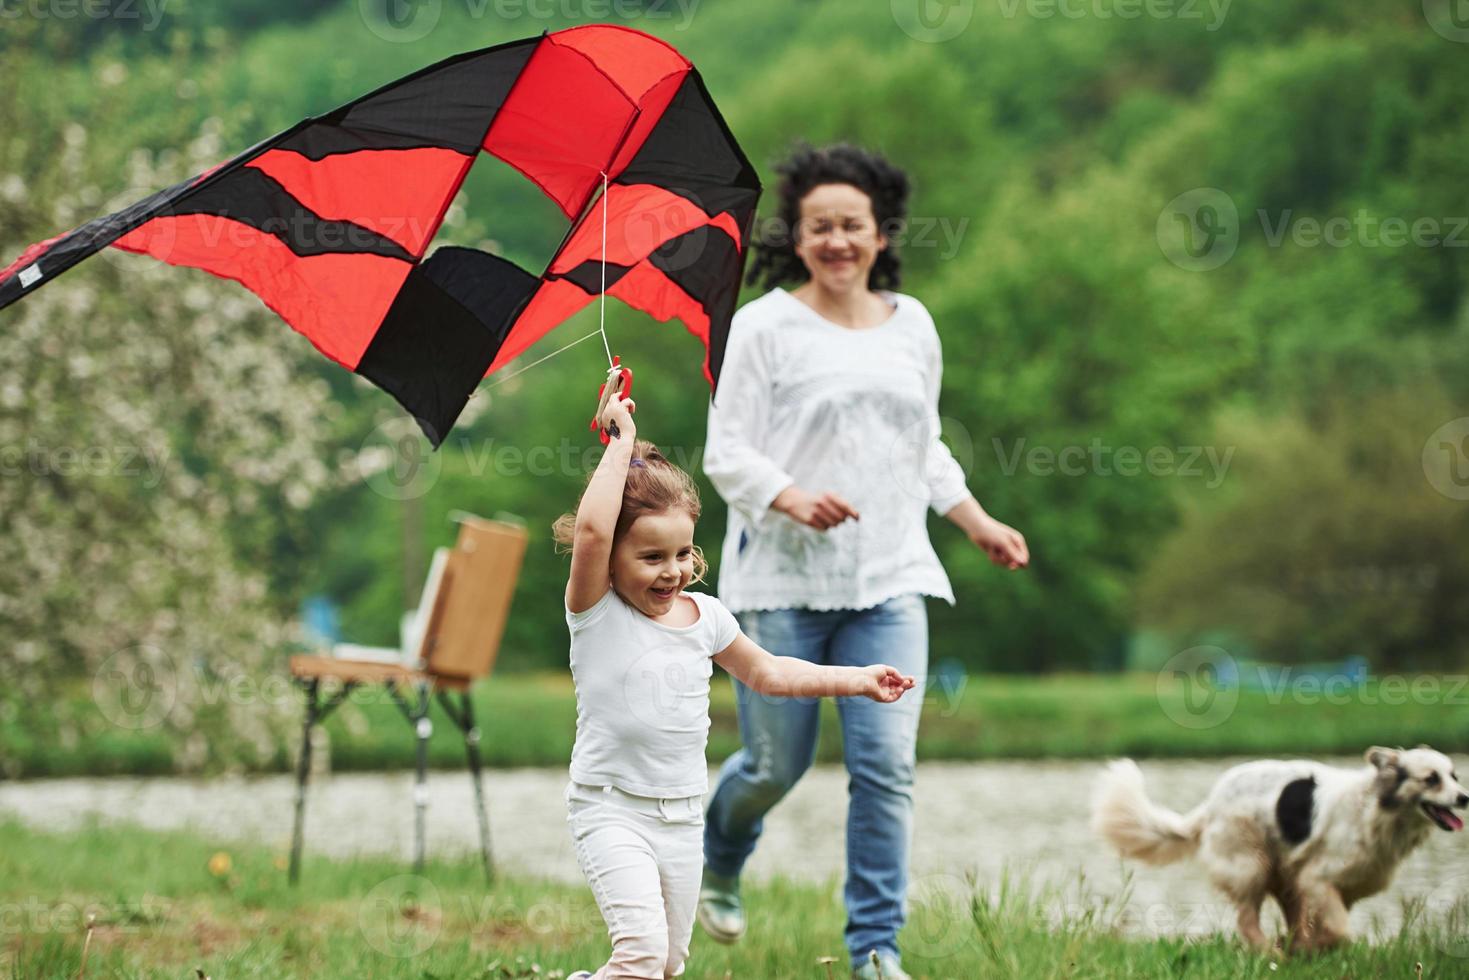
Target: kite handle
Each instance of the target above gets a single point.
(618, 383)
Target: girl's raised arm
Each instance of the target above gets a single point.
(596, 517)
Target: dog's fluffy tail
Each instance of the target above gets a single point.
(1123, 815)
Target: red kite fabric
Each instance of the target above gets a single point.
(328, 222)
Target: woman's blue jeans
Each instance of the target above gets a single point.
(878, 744)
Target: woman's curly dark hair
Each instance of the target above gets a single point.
(808, 167)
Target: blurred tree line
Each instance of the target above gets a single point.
(1192, 447)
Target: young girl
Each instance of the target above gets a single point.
(641, 649)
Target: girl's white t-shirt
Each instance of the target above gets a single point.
(642, 696)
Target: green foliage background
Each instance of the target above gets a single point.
(1044, 150)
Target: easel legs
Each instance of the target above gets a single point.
(417, 713)
(463, 717)
(316, 711)
(423, 729)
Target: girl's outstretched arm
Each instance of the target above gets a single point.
(788, 677)
(596, 518)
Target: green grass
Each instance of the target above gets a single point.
(156, 907)
(529, 720)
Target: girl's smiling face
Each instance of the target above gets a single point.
(837, 237)
(653, 561)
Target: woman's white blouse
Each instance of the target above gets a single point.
(807, 401)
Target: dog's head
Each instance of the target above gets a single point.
(1422, 779)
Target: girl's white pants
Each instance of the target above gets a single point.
(643, 858)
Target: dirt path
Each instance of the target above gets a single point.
(972, 818)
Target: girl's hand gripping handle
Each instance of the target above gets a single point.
(618, 385)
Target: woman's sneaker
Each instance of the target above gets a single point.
(879, 966)
(720, 911)
(580, 975)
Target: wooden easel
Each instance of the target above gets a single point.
(455, 637)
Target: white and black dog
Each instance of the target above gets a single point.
(1314, 837)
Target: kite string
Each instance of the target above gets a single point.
(602, 326)
(538, 360)
(602, 323)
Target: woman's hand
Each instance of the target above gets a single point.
(619, 414)
(883, 683)
(821, 511)
(1005, 545)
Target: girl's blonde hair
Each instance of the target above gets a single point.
(654, 485)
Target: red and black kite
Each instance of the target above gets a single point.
(328, 222)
